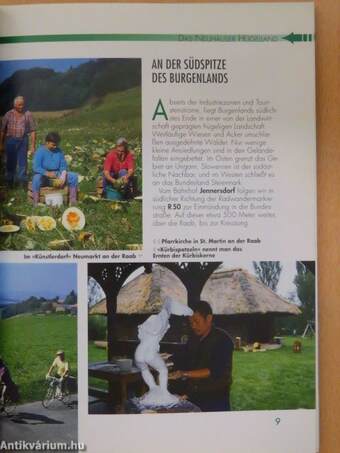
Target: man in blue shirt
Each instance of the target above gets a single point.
(204, 368)
(50, 169)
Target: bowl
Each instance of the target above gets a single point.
(125, 365)
(113, 194)
(54, 199)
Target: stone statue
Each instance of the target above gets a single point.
(147, 353)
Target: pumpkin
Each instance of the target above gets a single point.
(46, 223)
(73, 219)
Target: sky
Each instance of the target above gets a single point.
(7, 68)
(19, 281)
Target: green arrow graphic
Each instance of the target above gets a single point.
(293, 37)
(298, 37)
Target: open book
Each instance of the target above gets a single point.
(157, 228)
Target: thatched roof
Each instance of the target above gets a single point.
(146, 293)
(99, 308)
(236, 291)
(229, 292)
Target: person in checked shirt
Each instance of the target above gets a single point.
(16, 128)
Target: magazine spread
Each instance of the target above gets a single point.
(158, 228)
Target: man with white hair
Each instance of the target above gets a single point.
(16, 127)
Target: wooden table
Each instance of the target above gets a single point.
(116, 378)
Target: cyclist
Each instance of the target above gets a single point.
(8, 389)
(60, 365)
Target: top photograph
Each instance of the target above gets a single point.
(71, 154)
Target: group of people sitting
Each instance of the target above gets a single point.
(50, 169)
(49, 164)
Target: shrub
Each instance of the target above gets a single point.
(97, 327)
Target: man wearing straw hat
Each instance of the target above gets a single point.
(61, 368)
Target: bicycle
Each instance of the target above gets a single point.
(7, 405)
(54, 392)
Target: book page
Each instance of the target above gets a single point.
(158, 227)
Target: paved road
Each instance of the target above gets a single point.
(32, 422)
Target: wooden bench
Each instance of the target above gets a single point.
(100, 186)
(47, 190)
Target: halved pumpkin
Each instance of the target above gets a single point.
(46, 223)
(73, 219)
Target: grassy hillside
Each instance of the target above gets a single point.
(270, 380)
(28, 344)
(107, 118)
(87, 134)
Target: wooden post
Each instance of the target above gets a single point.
(111, 304)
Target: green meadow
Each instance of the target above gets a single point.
(28, 344)
(278, 379)
(87, 134)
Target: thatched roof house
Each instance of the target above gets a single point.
(234, 292)
(241, 304)
(229, 292)
(145, 294)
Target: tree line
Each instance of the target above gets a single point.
(47, 90)
(37, 305)
(268, 272)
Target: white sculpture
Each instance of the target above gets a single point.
(147, 354)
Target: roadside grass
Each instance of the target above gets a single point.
(28, 344)
(271, 380)
(87, 134)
